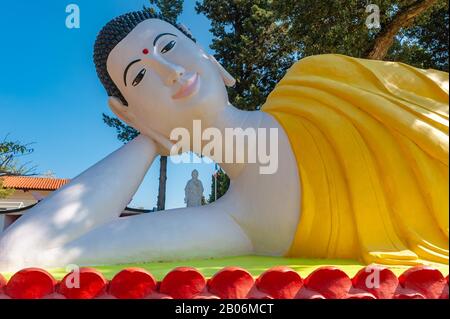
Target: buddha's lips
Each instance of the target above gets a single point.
(188, 88)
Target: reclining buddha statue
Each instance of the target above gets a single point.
(362, 170)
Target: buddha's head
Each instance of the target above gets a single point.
(156, 75)
(194, 174)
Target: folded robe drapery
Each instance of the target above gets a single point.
(371, 143)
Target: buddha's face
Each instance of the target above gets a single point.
(166, 78)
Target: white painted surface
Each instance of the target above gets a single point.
(2, 223)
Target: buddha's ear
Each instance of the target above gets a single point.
(228, 79)
(121, 110)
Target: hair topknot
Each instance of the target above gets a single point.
(114, 32)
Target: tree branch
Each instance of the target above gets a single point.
(402, 19)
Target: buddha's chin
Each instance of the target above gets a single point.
(207, 98)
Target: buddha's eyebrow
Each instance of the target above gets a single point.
(126, 70)
(160, 35)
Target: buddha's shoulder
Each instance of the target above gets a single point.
(328, 64)
(338, 66)
(317, 69)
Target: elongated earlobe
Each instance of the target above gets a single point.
(228, 79)
(120, 109)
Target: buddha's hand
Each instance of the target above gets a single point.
(163, 144)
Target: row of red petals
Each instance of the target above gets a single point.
(420, 282)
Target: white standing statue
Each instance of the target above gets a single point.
(362, 168)
(193, 191)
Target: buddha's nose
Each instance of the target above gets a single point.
(170, 73)
(175, 73)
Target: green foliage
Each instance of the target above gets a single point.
(329, 26)
(10, 152)
(223, 183)
(252, 44)
(5, 192)
(425, 44)
(339, 27)
(170, 9)
(257, 41)
(124, 132)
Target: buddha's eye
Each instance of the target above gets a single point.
(168, 47)
(139, 77)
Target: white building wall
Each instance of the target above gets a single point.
(18, 199)
(2, 222)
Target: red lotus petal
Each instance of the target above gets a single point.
(30, 283)
(157, 295)
(444, 294)
(419, 282)
(92, 283)
(331, 282)
(183, 283)
(55, 295)
(255, 293)
(206, 295)
(355, 293)
(305, 293)
(231, 283)
(280, 282)
(2, 283)
(377, 280)
(404, 293)
(132, 283)
(106, 296)
(425, 280)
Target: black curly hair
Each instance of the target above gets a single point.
(114, 32)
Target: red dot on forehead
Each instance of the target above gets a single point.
(145, 51)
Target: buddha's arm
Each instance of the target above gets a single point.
(95, 197)
(185, 233)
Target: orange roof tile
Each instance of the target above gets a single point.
(37, 183)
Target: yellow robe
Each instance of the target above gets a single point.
(371, 143)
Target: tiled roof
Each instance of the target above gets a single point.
(36, 183)
(419, 282)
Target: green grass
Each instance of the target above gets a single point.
(254, 264)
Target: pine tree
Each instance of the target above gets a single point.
(223, 183)
(252, 44)
(411, 31)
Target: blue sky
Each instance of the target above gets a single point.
(50, 94)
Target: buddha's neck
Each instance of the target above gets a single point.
(232, 117)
